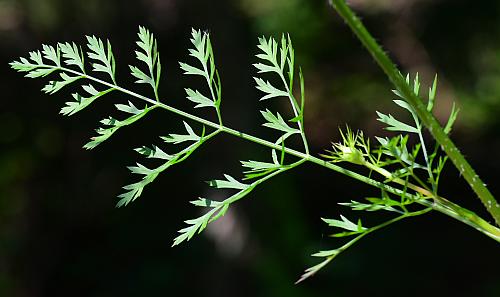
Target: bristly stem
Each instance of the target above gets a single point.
(417, 104)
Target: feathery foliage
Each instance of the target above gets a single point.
(408, 177)
(148, 54)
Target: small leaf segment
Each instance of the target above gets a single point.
(404, 182)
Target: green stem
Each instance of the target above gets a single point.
(217, 108)
(450, 209)
(417, 104)
(442, 205)
(424, 150)
(385, 173)
(294, 104)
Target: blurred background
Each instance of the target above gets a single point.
(60, 234)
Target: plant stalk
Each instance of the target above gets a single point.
(430, 122)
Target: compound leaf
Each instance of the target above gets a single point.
(51, 53)
(432, 94)
(265, 68)
(73, 55)
(105, 61)
(147, 53)
(80, 102)
(269, 89)
(40, 72)
(153, 152)
(344, 223)
(196, 225)
(204, 202)
(140, 169)
(395, 125)
(178, 138)
(451, 119)
(190, 70)
(259, 166)
(229, 183)
(142, 78)
(199, 41)
(112, 125)
(277, 122)
(54, 86)
(135, 190)
(270, 51)
(355, 205)
(198, 98)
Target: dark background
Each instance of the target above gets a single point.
(60, 234)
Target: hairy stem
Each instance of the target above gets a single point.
(417, 104)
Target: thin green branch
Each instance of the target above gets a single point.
(314, 269)
(426, 158)
(294, 104)
(212, 93)
(417, 104)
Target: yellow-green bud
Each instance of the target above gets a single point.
(351, 155)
